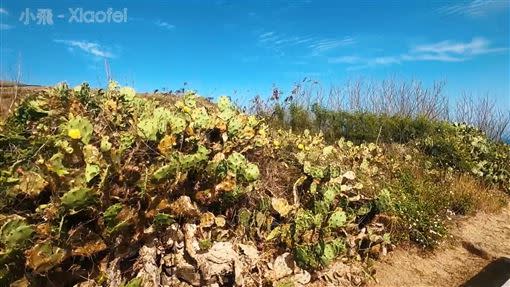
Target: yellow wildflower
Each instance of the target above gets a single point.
(74, 134)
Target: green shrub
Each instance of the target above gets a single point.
(421, 205)
(299, 118)
(357, 127)
(467, 149)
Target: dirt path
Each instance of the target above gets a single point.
(453, 264)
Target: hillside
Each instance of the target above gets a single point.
(110, 188)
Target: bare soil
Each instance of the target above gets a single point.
(477, 242)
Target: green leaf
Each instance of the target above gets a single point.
(105, 144)
(16, 233)
(156, 123)
(202, 119)
(128, 93)
(163, 219)
(83, 125)
(190, 99)
(251, 172)
(165, 171)
(91, 171)
(317, 172)
(304, 220)
(135, 282)
(78, 197)
(111, 213)
(331, 250)
(306, 257)
(177, 124)
(55, 164)
(337, 219)
(244, 217)
(227, 109)
(275, 233)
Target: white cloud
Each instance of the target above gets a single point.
(346, 60)
(431, 57)
(477, 46)
(475, 8)
(386, 60)
(165, 25)
(5, 26)
(91, 48)
(317, 46)
(360, 62)
(2, 25)
(324, 45)
(444, 51)
(266, 36)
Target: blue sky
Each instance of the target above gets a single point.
(242, 48)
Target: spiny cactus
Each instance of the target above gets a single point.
(156, 123)
(238, 164)
(337, 219)
(79, 128)
(135, 168)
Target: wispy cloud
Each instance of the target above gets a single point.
(5, 26)
(444, 51)
(90, 48)
(362, 62)
(477, 46)
(320, 46)
(266, 36)
(164, 25)
(315, 45)
(475, 8)
(346, 60)
(432, 57)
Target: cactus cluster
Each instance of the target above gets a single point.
(467, 149)
(317, 227)
(116, 165)
(104, 175)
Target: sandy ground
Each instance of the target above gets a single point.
(478, 241)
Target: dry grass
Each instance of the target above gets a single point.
(473, 195)
(278, 171)
(10, 95)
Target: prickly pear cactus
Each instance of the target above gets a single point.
(15, 233)
(78, 198)
(152, 125)
(79, 128)
(132, 171)
(44, 256)
(31, 184)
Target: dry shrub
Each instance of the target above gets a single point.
(278, 172)
(471, 195)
